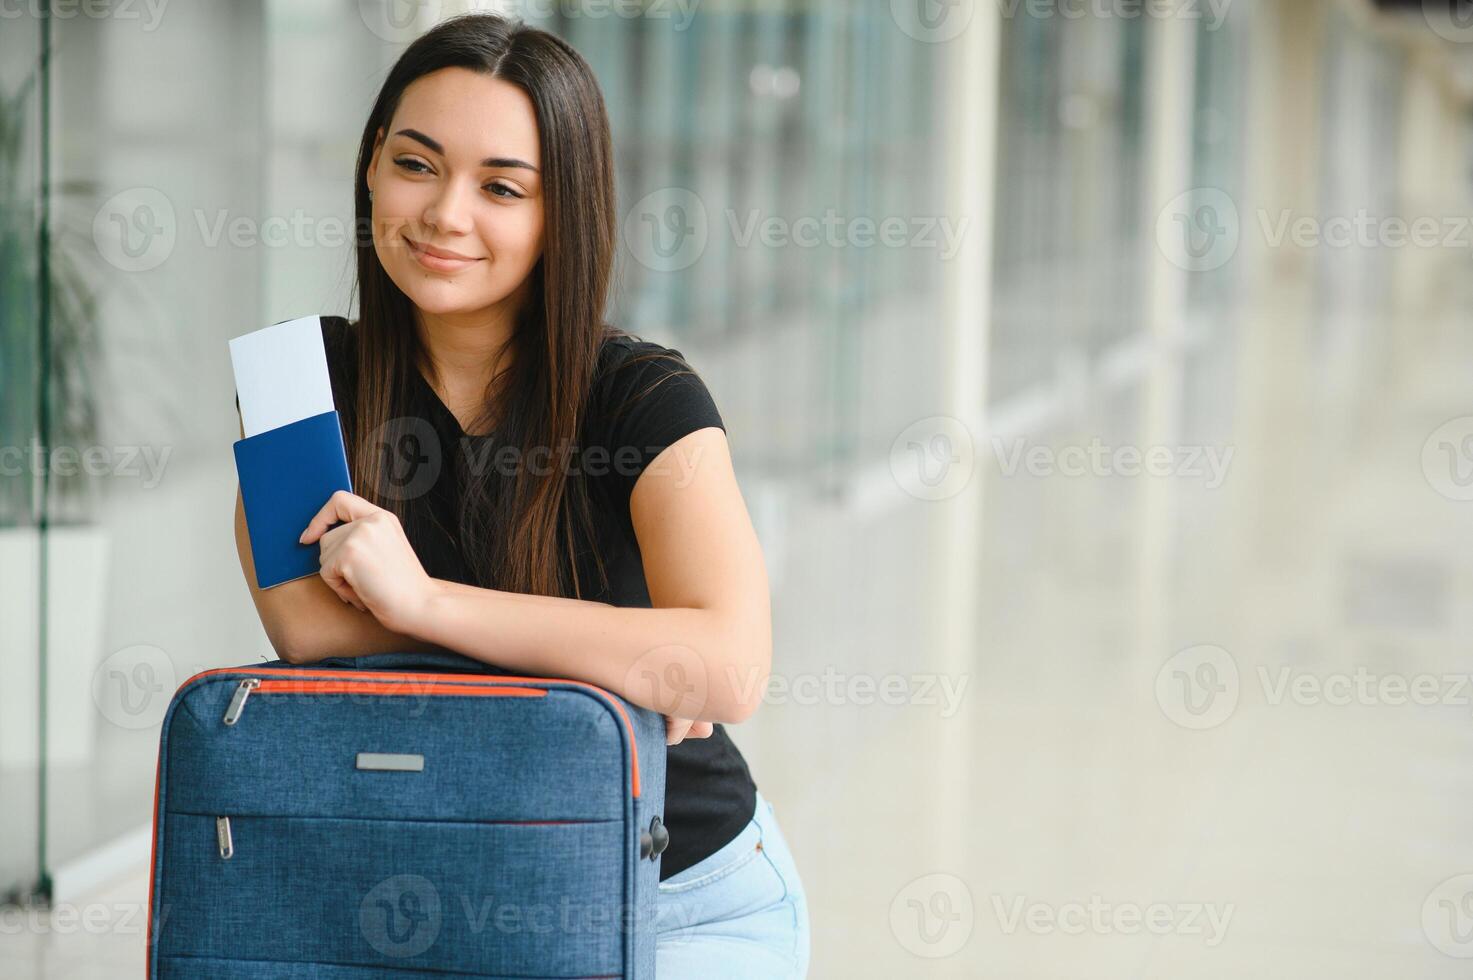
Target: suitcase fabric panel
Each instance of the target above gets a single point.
(518, 899)
(475, 761)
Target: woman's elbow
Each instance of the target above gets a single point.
(284, 643)
(747, 694)
(289, 642)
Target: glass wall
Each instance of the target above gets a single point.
(1069, 257)
(141, 580)
(795, 143)
(785, 135)
(22, 127)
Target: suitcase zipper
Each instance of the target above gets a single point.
(416, 681)
(304, 686)
(237, 702)
(222, 835)
(395, 687)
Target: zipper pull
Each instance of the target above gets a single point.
(237, 703)
(222, 834)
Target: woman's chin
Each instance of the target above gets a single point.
(441, 296)
(437, 301)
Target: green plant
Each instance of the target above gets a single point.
(69, 338)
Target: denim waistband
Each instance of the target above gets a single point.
(745, 840)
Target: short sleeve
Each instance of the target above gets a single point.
(337, 344)
(653, 399)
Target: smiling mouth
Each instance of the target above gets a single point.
(441, 262)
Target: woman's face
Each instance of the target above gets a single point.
(456, 171)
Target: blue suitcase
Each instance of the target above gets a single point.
(404, 815)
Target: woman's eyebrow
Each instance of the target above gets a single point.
(433, 144)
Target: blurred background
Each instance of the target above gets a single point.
(1097, 374)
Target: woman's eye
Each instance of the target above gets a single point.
(418, 167)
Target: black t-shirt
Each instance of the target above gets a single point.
(709, 795)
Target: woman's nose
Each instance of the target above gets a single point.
(449, 212)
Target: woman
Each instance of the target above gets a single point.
(540, 490)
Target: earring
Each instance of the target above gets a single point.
(370, 197)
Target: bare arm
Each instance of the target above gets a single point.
(703, 652)
(306, 621)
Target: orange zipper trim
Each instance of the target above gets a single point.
(424, 677)
(385, 687)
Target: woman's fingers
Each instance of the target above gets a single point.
(675, 729)
(341, 507)
(679, 729)
(327, 557)
(350, 596)
(337, 583)
(335, 580)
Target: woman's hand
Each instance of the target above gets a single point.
(678, 729)
(369, 562)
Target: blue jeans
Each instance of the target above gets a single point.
(739, 914)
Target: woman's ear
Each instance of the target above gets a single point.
(378, 145)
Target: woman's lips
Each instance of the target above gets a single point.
(437, 263)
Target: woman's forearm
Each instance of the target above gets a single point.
(315, 624)
(704, 664)
(306, 621)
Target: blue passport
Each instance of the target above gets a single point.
(286, 475)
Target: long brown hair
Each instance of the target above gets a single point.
(515, 537)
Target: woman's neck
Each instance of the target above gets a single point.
(464, 354)
(462, 351)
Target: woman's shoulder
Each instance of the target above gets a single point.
(336, 330)
(625, 359)
(338, 339)
(644, 385)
